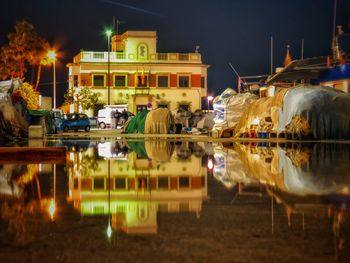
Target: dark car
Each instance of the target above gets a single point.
(76, 121)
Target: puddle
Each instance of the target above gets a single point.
(167, 200)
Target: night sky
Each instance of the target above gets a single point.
(236, 31)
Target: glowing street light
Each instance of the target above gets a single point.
(108, 33)
(209, 98)
(52, 57)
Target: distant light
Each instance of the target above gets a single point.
(52, 208)
(108, 32)
(210, 164)
(210, 98)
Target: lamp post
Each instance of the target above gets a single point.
(52, 57)
(209, 98)
(108, 33)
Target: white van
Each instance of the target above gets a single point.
(105, 115)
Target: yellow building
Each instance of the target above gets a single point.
(140, 76)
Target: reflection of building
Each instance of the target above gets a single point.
(140, 186)
(140, 76)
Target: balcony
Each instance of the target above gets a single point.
(120, 57)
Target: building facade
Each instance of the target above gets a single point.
(140, 76)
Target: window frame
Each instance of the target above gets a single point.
(189, 182)
(184, 75)
(98, 74)
(163, 187)
(98, 189)
(118, 188)
(203, 82)
(168, 81)
(120, 75)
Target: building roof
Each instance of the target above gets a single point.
(302, 69)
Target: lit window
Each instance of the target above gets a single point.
(184, 81)
(163, 81)
(98, 80)
(120, 81)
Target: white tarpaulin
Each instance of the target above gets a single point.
(229, 106)
(307, 111)
(326, 110)
(318, 169)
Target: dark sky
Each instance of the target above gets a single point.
(236, 31)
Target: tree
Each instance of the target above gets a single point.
(84, 98)
(25, 49)
(28, 94)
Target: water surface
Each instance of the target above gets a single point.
(161, 200)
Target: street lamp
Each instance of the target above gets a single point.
(52, 56)
(209, 98)
(108, 33)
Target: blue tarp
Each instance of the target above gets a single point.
(336, 73)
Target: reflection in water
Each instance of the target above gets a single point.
(314, 169)
(23, 206)
(126, 185)
(135, 180)
(311, 179)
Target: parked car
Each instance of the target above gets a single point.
(76, 121)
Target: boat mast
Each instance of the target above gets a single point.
(271, 55)
(239, 78)
(302, 49)
(335, 47)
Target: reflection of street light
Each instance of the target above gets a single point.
(209, 98)
(52, 56)
(52, 208)
(109, 228)
(52, 205)
(108, 33)
(210, 164)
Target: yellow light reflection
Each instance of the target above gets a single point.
(52, 208)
